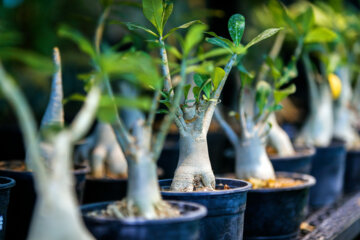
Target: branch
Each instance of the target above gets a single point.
(242, 116)
(86, 116)
(28, 126)
(153, 109)
(274, 52)
(227, 129)
(215, 95)
(311, 82)
(165, 66)
(100, 29)
(54, 114)
(165, 125)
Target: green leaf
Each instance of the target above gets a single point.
(206, 88)
(184, 26)
(133, 26)
(153, 11)
(193, 37)
(78, 38)
(75, 97)
(196, 92)
(245, 76)
(275, 107)
(218, 75)
(186, 90)
(262, 36)
(199, 79)
(220, 43)
(168, 8)
(320, 35)
(306, 19)
(236, 26)
(142, 103)
(280, 95)
(263, 91)
(227, 41)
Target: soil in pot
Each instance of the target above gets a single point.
(23, 197)
(183, 227)
(352, 171)
(276, 213)
(328, 168)
(299, 163)
(5, 186)
(226, 207)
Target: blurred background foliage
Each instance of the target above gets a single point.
(32, 25)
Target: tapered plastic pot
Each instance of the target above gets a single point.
(226, 208)
(328, 168)
(352, 171)
(277, 213)
(104, 189)
(5, 186)
(184, 227)
(23, 199)
(301, 162)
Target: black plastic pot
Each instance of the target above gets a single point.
(185, 227)
(5, 186)
(352, 171)
(277, 213)
(23, 199)
(103, 190)
(328, 168)
(299, 163)
(226, 208)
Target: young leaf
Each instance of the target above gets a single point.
(280, 95)
(245, 76)
(196, 92)
(199, 79)
(153, 11)
(78, 38)
(306, 19)
(193, 37)
(186, 90)
(320, 35)
(133, 26)
(262, 36)
(168, 8)
(218, 75)
(220, 43)
(236, 26)
(263, 90)
(206, 88)
(184, 26)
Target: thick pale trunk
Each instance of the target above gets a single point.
(318, 128)
(102, 149)
(143, 191)
(343, 128)
(57, 215)
(194, 164)
(252, 160)
(278, 139)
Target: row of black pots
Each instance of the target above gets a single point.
(269, 214)
(5, 188)
(23, 198)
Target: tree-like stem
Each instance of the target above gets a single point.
(165, 66)
(28, 126)
(310, 77)
(216, 95)
(252, 160)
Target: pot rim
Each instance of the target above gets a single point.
(300, 152)
(199, 213)
(9, 184)
(113, 180)
(310, 181)
(244, 188)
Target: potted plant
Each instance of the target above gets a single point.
(5, 187)
(194, 179)
(329, 160)
(24, 195)
(274, 209)
(56, 215)
(143, 212)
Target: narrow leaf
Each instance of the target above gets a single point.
(168, 8)
(153, 11)
(193, 37)
(320, 35)
(280, 95)
(220, 43)
(134, 26)
(184, 26)
(262, 36)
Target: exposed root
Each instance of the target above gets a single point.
(193, 182)
(127, 209)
